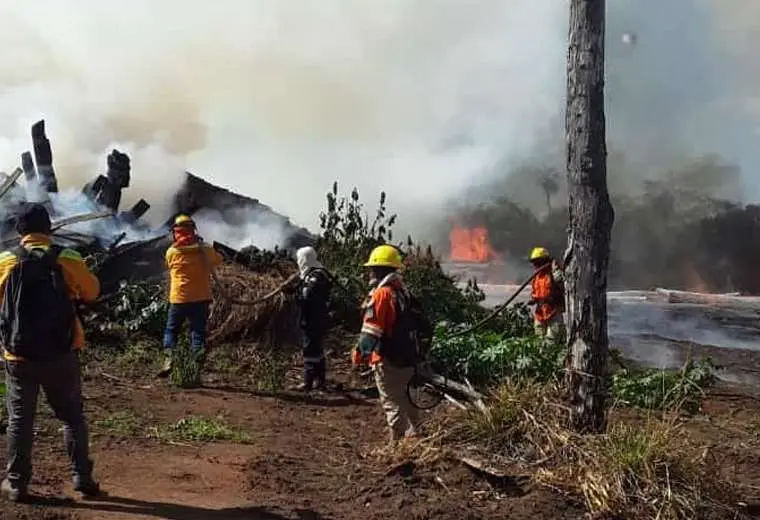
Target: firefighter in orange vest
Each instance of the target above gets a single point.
(382, 345)
(548, 296)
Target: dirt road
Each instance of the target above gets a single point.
(289, 457)
(227, 452)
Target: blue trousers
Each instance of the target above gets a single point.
(196, 314)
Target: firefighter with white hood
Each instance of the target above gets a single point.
(313, 295)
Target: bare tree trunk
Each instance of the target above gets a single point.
(591, 218)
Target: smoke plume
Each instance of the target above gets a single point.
(277, 100)
(422, 99)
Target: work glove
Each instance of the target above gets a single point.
(357, 360)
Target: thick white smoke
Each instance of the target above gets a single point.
(422, 99)
(278, 99)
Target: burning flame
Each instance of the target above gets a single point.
(471, 245)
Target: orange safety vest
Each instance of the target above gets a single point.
(545, 291)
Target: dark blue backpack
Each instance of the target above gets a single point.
(37, 315)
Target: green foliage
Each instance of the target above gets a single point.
(657, 389)
(514, 321)
(135, 309)
(487, 357)
(439, 294)
(347, 238)
(2, 390)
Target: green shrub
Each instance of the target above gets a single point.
(134, 310)
(657, 389)
(487, 357)
(347, 238)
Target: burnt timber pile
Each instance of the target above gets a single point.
(128, 249)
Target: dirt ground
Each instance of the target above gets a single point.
(303, 458)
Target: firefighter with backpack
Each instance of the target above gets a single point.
(40, 284)
(393, 331)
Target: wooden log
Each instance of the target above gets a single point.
(732, 301)
(27, 164)
(43, 155)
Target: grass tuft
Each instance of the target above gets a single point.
(125, 424)
(649, 470)
(186, 371)
(269, 369)
(199, 429)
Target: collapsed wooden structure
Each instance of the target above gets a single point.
(123, 257)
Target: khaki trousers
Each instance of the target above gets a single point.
(403, 418)
(552, 330)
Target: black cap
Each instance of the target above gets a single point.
(32, 218)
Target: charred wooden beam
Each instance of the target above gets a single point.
(232, 254)
(43, 155)
(116, 242)
(91, 189)
(135, 213)
(133, 262)
(106, 189)
(27, 164)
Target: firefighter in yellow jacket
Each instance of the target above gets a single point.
(190, 263)
(39, 285)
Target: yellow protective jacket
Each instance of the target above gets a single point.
(190, 272)
(83, 285)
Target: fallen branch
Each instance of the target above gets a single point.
(109, 376)
(237, 301)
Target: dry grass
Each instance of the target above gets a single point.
(272, 322)
(647, 470)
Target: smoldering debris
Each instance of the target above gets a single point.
(118, 244)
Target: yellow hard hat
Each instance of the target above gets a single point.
(385, 256)
(539, 253)
(183, 220)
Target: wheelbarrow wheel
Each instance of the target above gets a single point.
(422, 394)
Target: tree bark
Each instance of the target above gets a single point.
(591, 218)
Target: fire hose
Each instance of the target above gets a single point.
(498, 310)
(237, 301)
(439, 387)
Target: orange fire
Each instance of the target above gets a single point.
(471, 245)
